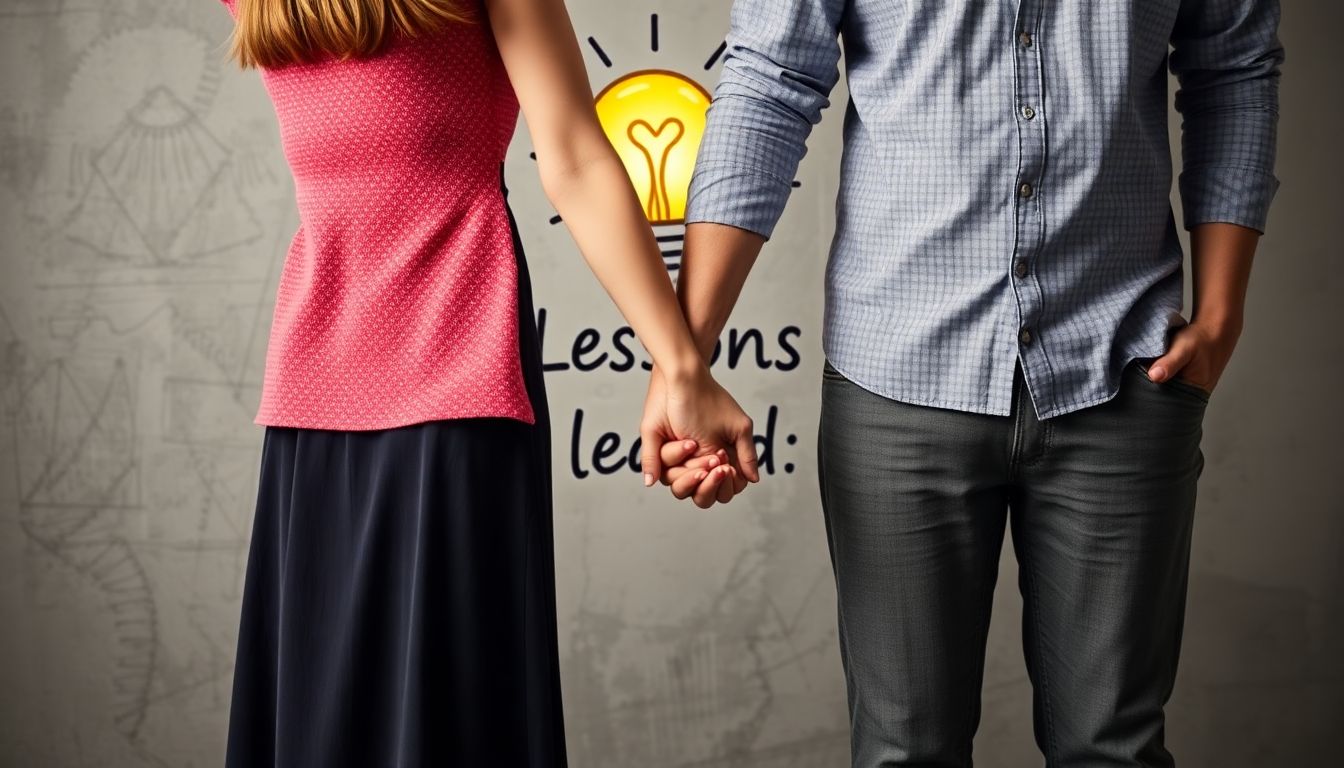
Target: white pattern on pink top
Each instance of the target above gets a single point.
(398, 302)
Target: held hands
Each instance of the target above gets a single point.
(697, 439)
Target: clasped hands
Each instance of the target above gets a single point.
(696, 439)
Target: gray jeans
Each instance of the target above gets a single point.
(1101, 503)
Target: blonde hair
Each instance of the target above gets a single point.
(273, 33)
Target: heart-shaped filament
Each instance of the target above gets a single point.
(656, 144)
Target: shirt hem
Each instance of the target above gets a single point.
(983, 410)
(376, 425)
(976, 408)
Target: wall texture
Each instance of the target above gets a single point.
(144, 212)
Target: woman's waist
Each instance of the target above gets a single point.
(408, 187)
(375, 279)
(424, 221)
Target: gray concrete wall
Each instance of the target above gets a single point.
(144, 212)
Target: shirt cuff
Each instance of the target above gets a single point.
(1227, 194)
(745, 198)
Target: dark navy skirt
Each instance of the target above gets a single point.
(399, 605)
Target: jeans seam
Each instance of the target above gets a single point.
(1050, 747)
(976, 683)
(1047, 435)
(1014, 451)
(842, 633)
(843, 637)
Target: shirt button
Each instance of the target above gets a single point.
(1020, 267)
(1025, 191)
(1025, 39)
(1024, 336)
(1028, 112)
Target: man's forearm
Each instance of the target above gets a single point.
(1220, 258)
(714, 267)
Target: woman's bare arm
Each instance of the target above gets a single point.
(586, 182)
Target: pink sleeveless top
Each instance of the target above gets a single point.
(398, 302)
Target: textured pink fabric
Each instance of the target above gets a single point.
(398, 299)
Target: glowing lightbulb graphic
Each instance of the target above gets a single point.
(655, 119)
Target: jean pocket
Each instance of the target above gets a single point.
(1190, 388)
(828, 373)
(1174, 384)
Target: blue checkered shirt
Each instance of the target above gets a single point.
(1006, 176)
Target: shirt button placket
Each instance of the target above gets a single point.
(1028, 56)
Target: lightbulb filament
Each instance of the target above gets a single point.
(656, 144)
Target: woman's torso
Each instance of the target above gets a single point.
(398, 299)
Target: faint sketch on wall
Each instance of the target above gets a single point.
(78, 473)
(28, 8)
(148, 251)
(158, 194)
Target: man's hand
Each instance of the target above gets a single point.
(1197, 355)
(704, 479)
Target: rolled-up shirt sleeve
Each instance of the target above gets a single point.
(1226, 56)
(780, 65)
